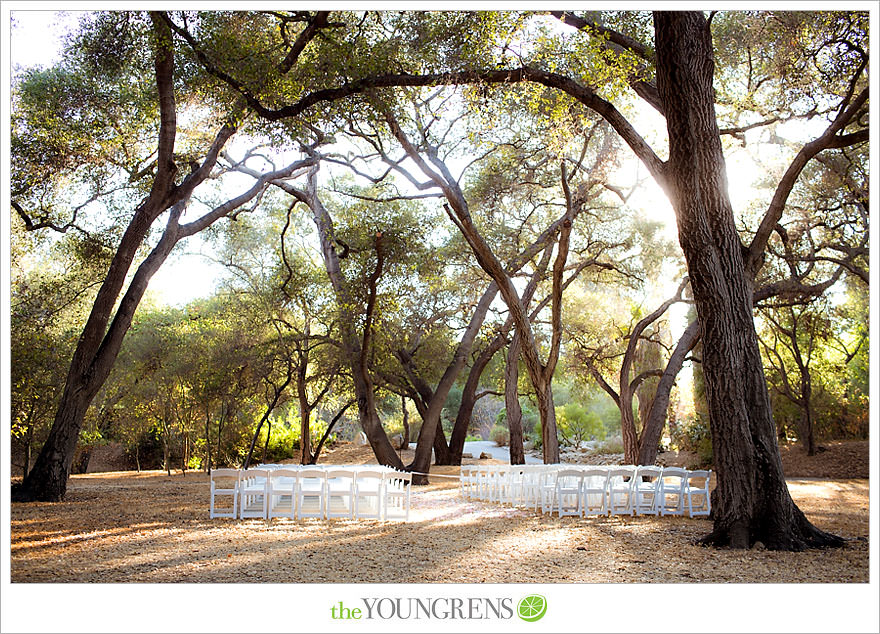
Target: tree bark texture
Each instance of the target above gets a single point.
(656, 417)
(751, 500)
(511, 403)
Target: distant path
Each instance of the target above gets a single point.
(476, 447)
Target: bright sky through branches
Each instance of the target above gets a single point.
(36, 40)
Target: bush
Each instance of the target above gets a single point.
(500, 435)
(537, 437)
(576, 424)
(283, 443)
(609, 445)
(695, 436)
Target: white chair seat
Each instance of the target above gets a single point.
(397, 486)
(339, 493)
(620, 490)
(310, 493)
(595, 491)
(282, 493)
(368, 494)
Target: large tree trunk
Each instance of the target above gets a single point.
(547, 412)
(469, 398)
(751, 500)
(511, 403)
(431, 424)
(656, 417)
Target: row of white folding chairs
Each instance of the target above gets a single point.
(578, 490)
(336, 492)
(517, 485)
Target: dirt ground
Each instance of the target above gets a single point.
(149, 527)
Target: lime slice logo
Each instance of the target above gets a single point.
(532, 608)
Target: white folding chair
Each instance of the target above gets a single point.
(694, 489)
(646, 486)
(310, 484)
(253, 493)
(620, 490)
(397, 486)
(511, 490)
(486, 482)
(368, 494)
(548, 488)
(567, 491)
(282, 493)
(224, 483)
(498, 482)
(340, 493)
(467, 481)
(670, 495)
(531, 486)
(594, 491)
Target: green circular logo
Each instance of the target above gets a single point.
(532, 607)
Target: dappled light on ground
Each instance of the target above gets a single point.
(149, 527)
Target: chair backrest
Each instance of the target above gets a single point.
(399, 478)
(312, 475)
(673, 478)
(569, 477)
(699, 475)
(648, 471)
(618, 476)
(342, 477)
(290, 477)
(595, 477)
(369, 479)
(225, 475)
(253, 474)
(593, 472)
(285, 472)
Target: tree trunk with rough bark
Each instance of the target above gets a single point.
(751, 501)
(405, 413)
(656, 417)
(469, 398)
(511, 403)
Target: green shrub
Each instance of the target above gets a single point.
(500, 435)
(609, 445)
(576, 424)
(695, 436)
(536, 436)
(283, 443)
